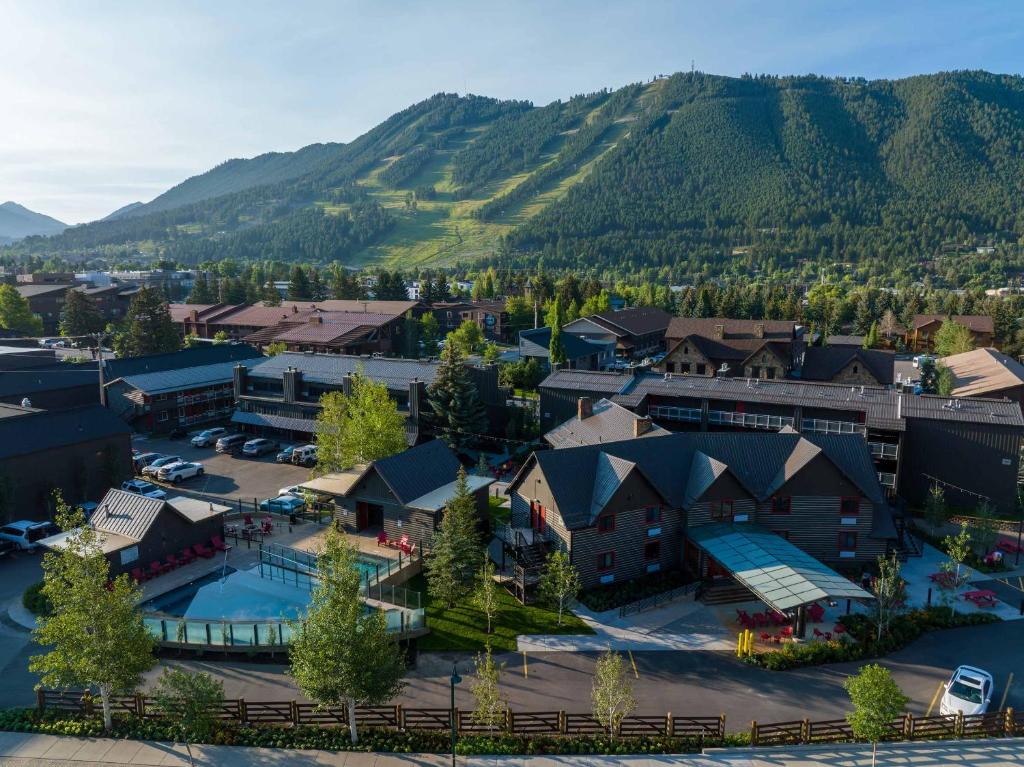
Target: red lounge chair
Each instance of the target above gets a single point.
(766, 638)
(172, 561)
(138, 575)
(267, 528)
(787, 631)
(202, 551)
(247, 520)
(187, 556)
(818, 634)
(382, 538)
(839, 628)
(156, 568)
(218, 544)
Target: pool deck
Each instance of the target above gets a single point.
(245, 554)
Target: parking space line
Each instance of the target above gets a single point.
(633, 664)
(935, 698)
(1006, 692)
(526, 668)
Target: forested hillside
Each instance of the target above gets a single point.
(691, 175)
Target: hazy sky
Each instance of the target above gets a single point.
(105, 103)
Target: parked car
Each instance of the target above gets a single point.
(259, 446)
(176, 472)
(178, 432)
(26, 534)
(921, 359)
(232, 443)
(968, 691)
(283, 504)
(142, 460)
(208, 437)
(285, 456)
(140, 487)
(295, 490)
(304, 455)
(7, 547)
(153, 469)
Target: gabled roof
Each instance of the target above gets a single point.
(637, 322)
(126, 514)
(31, 291)
(979, 323)
(419, 470)
(609, 474)
(979, 372)
(183, 378)
(608, 422)
(823, 363)
(575, 346)
(260, 315)
(683, 465)
(205, 354)
(778, 330)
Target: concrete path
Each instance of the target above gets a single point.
(681, 625)
(29, 750)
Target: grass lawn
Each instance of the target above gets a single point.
(464, 627)
(499, 514)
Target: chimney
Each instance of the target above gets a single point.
(417, 392)
(719, 332)
(295, 309)
(641, 426)
(240, 379)
(584, 408)
(759, 330)
(292, 384)
(194, 315)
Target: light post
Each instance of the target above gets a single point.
(455, 679)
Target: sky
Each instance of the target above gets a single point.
(105, 103)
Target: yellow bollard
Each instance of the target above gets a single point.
(739, 645)
(750, 643)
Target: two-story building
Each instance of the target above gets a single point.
(636, 333)
(923, 327)
(580, 353)
(716, 346)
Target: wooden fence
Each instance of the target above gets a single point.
(701, 729)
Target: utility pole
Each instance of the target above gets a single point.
(535, 309)
(99, 362)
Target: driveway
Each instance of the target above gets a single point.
(17, 572)
(227, 477)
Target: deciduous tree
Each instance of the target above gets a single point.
(191, 701)
(15, 313)
(485, 597)
(877, 700)
(560, 581)
(612, 693)
(952, 338)
(359, 427)
(491, 708)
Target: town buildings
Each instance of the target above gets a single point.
(636, 333)
(716, 346)
(39, 376)
(986, 372)
(923, 327)
(580, 353)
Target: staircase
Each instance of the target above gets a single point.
(725, 592)
(907, 544)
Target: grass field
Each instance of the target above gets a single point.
(464, 627)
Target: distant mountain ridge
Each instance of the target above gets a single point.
(17, 221)
(693, 174)
(123, 211)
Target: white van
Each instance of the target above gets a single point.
(25, 534)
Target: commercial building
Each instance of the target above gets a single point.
(916, 441)
(769, 349)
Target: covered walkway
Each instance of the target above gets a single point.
(783, 576)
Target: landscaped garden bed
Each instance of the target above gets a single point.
(615, 595)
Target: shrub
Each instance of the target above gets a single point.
(614, 595)
(35, 601)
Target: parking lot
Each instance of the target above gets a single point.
(226, 476)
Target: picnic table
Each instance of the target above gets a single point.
(981, 597)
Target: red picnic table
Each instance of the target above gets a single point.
(981, 597)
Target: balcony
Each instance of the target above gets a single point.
(749, 420)
(887, 480)
(883, 450)
(670, 413)
(823, 426)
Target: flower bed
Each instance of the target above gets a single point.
(903, 630)
(337, 738)
(609, 597)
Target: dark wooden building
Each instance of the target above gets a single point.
(35, 374)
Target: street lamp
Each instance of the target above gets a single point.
(455, 679)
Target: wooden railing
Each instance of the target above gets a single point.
(702, 729)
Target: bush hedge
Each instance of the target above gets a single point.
(614, 595)
(35, 601)
(903, 630)
(337, 739)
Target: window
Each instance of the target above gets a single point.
(854, 368)
(702, 369)
(755, 371)
(721, 511)
(606, 523)
(849, 507)
(606, 560)
(847, 541)
(652, 515)
(686, 350)
(684, 367)
(162, 416)
(652, 550)
(781, 504)
(769, 373)
(129, 555)
(670, 367)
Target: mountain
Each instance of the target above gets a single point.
(122, 211)
(694, 174)
(17, 221)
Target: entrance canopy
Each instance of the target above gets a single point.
(780, 574)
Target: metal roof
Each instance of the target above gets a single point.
(437, 499)
(205, 354)
(608, 422)
(275, 421)
(127, 514)
(396, 374)
(981, 371)
(574, 346)
(419, 470)
(184, 378)
(780, 574)
(337, 482)
(25, 431)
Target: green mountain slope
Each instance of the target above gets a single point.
(690, 174)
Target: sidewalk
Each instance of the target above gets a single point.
(28, 750)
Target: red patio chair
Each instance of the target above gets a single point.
(382, 538)
(403, 541)
(187, 556)
(839, 628)
(766, 637)
(818, 634)
(202, 551)
(787, 631)
(267, 528)
(172, 561)
(157, 568)
(138, 575)
(247, 520)
(218, 543)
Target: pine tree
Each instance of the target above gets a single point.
(317, 291)
(201, 293)
(456, 549)
(148, 328)
(80, 316)
(455, 411)
(299, 287)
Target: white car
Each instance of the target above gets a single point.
(147, 489)
(24, 534)
(295, 490)
(968, 691)
(153, 469)
(176, 472)
(208, 437)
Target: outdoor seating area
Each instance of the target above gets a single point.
(981, 598)
(945, 580)
(250, 527)
(775, 619)
(402, 544)
(186, 556)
